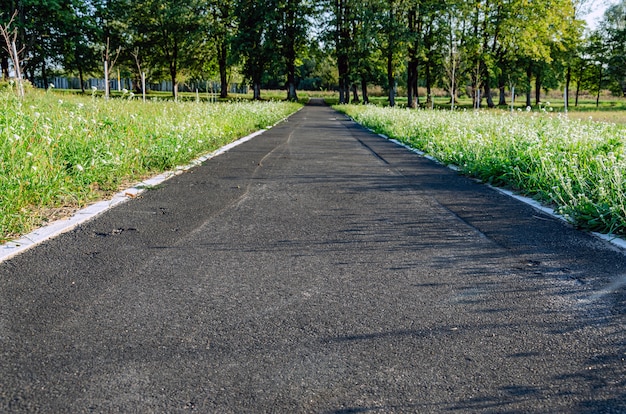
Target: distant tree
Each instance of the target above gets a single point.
(170, 34)
(613, 30)
(80, 54)
(291, 18)
(392, 43)
(255, 45)
(596, 74)
(221, 29)
(42, 30)
(342, 40)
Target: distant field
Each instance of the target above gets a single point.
(610, 109)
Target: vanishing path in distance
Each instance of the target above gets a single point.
(316, 268)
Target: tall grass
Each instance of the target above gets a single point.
(65, 151)
(577, 166)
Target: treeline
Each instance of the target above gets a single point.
(482, 48)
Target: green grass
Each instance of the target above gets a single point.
(578, 167)
(64, 151)
(610, 109)
(266, 95)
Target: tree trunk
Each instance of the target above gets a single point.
(342, 65)
(355, 93)
(501, 87)
(568, 79)
(490, 103)
(529, 75)
(222, 59)
(81, 79)
(290, 50)
(600, 74)
(391, 79)
(291, 78)
(292, 95)
(428, 82)
(5, 67)
(44, 74)
(487, 87)
(538, 88)
(174, 71)
(256, 90)
(174, 82)
(577, 92)
(414, 26)
(366, 99)
(391, 76)
(412, 94)
(343, 43)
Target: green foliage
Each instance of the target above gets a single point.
(577, 166)
(484, 44)
(69, 151)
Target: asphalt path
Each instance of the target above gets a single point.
(316, 268)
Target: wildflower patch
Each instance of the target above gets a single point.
(576, 166)
(64, 153)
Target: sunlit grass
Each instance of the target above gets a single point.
(577, 166)
(64, 151)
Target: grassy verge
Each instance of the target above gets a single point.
(62, 152)
(609, 110)
(577, 166)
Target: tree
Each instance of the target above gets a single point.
(392, 43)
(42, 29)
(170, 33)
(293, 25)
(78, 47)
(9, 35)
(342, 16)
(613, 30)
(596, 52)
(254, 46)
(221, 28)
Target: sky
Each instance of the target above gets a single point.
(597, 9)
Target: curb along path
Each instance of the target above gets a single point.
(38, 236)
(315, 268)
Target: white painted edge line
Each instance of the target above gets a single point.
(14, 247)
(611, 238)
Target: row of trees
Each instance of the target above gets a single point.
(175, 39)
(477, 46)
(480, 47)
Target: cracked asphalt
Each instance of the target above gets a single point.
(316, 268)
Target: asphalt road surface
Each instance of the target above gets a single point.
(316, 268)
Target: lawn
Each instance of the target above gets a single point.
(577, 166)
(59, 152)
